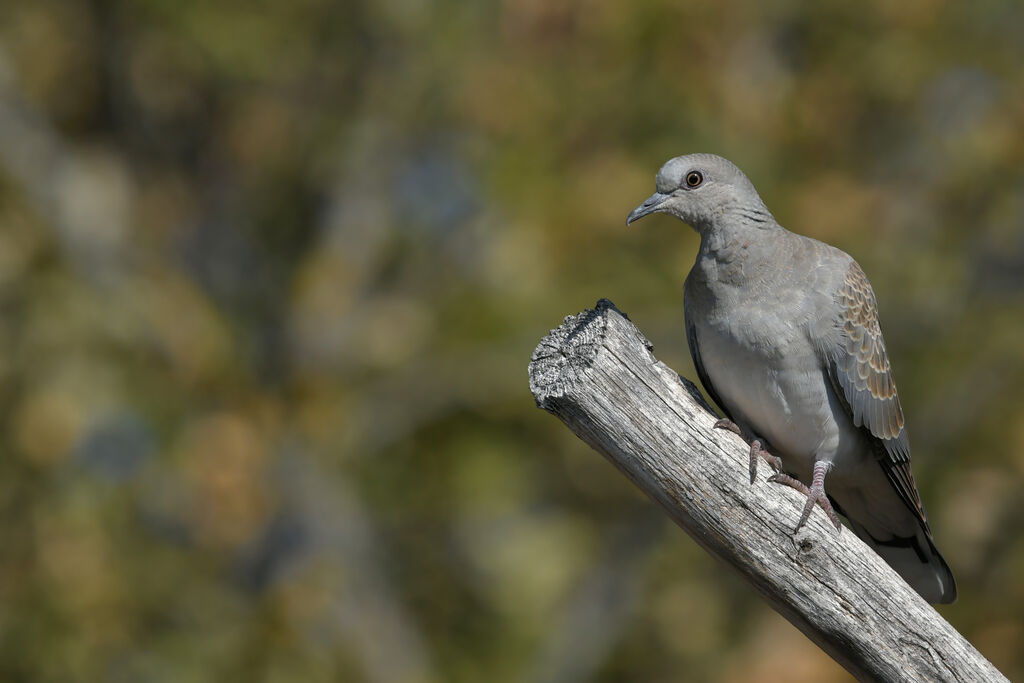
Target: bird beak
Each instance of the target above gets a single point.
(648, 207)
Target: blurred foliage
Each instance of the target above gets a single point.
(271, 273)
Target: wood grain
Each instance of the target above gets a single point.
(596, 372)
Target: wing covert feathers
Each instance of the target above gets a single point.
(860, 367)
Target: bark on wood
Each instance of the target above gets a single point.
(597, 374)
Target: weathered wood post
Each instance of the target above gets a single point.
(597, 374)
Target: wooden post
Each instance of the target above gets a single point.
(597, 374)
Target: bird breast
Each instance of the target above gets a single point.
(760, 349)
(766, 374)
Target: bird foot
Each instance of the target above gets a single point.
(757, 450)
(815, 494)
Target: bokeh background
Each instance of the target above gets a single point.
(271, 274)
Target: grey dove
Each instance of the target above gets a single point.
(785, 337)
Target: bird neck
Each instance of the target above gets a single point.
(734, 247)
(737, 224)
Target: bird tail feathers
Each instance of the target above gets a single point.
(918, 561)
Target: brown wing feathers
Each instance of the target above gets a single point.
(864, 371)
(860, 367)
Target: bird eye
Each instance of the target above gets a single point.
(694, 178)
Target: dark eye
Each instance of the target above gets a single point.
(694, 178)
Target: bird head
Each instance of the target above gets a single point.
(699, 189)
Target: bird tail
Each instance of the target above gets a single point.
(917, 560)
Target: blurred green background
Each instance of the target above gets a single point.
(271, 273)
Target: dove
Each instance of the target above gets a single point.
(785, 337)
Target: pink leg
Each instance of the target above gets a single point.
(757, 450)
(815, 494)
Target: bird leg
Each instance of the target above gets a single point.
(757, 450)
(815, 494)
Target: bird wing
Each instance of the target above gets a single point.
(691, 340)
(859, 369)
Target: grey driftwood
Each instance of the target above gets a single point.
(597, 374)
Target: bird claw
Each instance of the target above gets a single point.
(815, 495)
(757, 450)
(726, 423)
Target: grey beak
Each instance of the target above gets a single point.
(648, 207)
